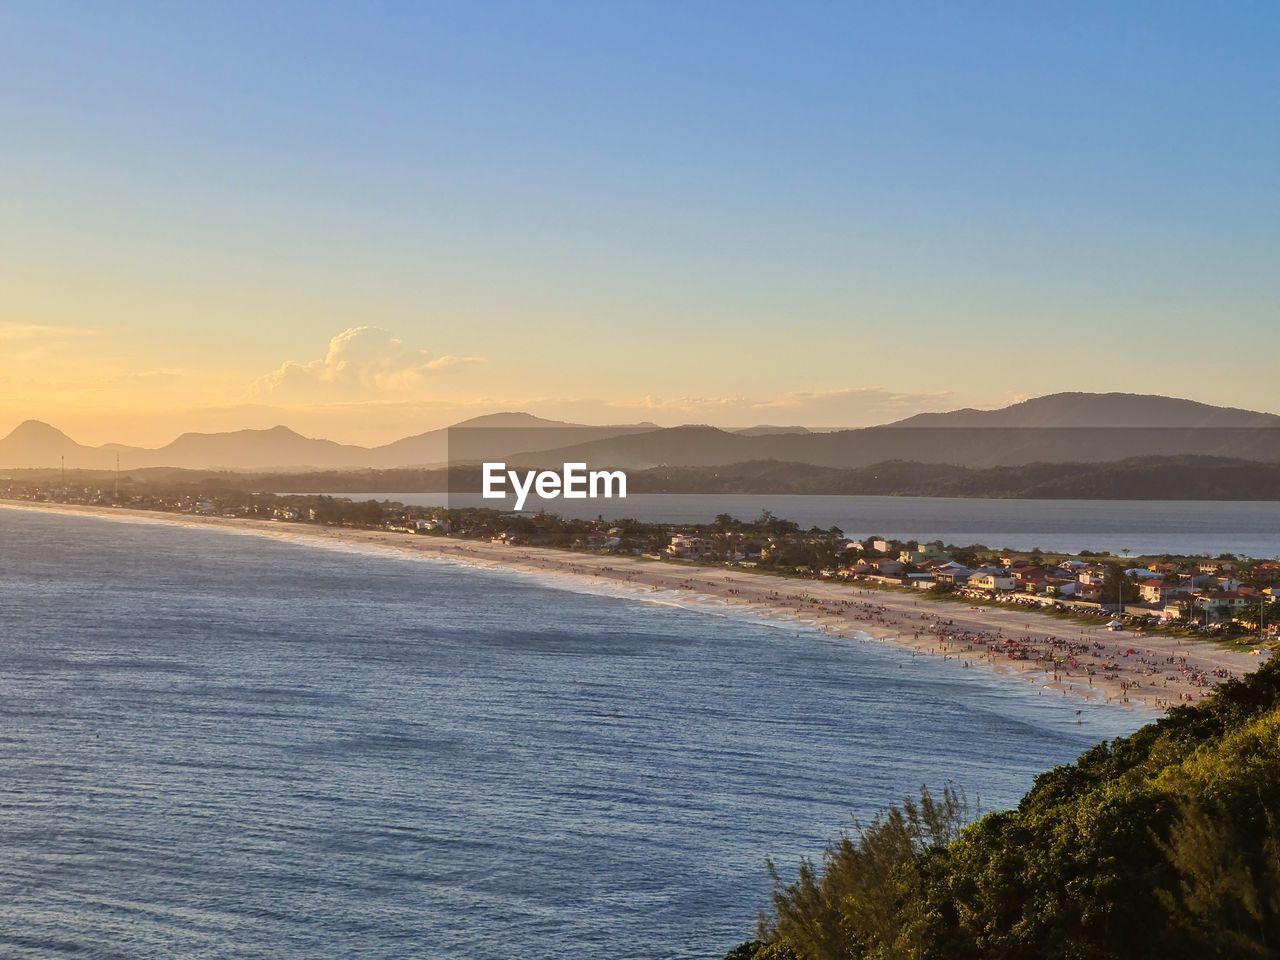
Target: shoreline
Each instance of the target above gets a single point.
(1092, 663)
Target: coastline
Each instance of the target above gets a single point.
(1092, 663)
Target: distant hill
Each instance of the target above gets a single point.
(767, 430)
(251, 450)
(1062, 428)
(690, 445)
(970, 447)
(493, 437)
(34, 444)
(1065, 428)
(1141, 478)
(1108, 410)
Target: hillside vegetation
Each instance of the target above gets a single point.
(1138, 478)
(1164, 844)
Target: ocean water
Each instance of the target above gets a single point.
(215, 745)
(1248, 528)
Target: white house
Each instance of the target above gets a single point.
(684, 547)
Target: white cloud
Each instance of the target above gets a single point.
(361, 362)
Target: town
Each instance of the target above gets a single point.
(1227, 596)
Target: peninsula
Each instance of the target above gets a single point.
(1065, 657)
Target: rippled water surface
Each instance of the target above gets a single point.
(217, 745)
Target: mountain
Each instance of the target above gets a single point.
(1140, 478)
(768, 430)
(493, 437)
(34, 443)
(251, 450)
(1061, 428)
(1092, 410)
(689, 445)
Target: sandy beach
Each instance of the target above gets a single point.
(1062, 658)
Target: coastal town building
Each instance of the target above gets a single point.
(686, 547)
(1197, 594)
(990, 580)
(922, 553)
(1220, 604)
(1152, 591)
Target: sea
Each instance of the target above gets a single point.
(220, 745)
(1121, 527)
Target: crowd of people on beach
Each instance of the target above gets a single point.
(1104, 666)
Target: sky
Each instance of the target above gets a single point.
(368, 220)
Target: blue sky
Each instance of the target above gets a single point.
(735, 213)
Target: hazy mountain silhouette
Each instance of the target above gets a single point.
(1176, 478)
(492, 437)
(34, 444)
(1062, 428)
(768, 430)
(1110, 410)
(253, 450)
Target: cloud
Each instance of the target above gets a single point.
(361, 362)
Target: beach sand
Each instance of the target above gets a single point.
(1061, 657)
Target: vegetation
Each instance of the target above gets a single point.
(1164, 844)
(1175, 478)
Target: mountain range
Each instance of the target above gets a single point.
(1059, 428)
(1137, 478)
(35, 444)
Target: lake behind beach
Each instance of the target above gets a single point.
(1210, 527)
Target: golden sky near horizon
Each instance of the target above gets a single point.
(366, 385)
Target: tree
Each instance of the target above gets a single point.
(1255, 615)
(1162, 844)
(760, 950)
(1117, 585)
(859, 898)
